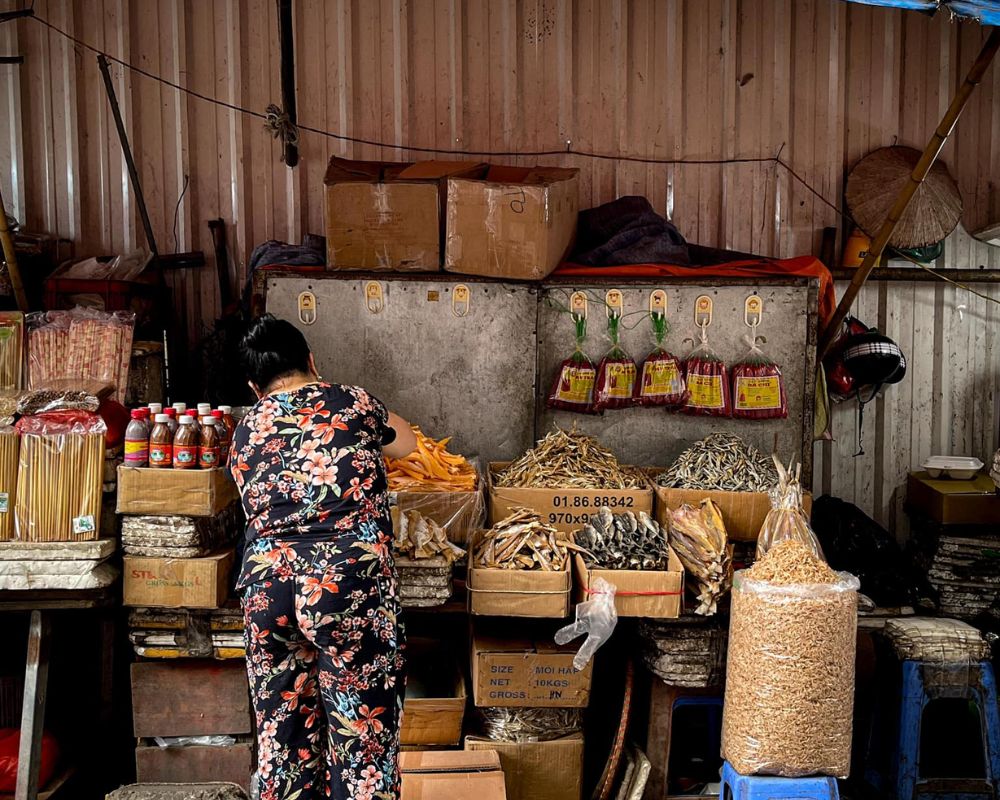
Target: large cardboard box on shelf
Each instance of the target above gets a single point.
(174, 492)
(459, 513)
(194, 764)
(654, 594)
(550, 770)
(743, 512)
(519, 592)
(951, 502)
(383, 215)
(436, 717)
(451, 774)
(194, 697)
(514, 671)
(517, 222)
(178, 582)
(565, 509)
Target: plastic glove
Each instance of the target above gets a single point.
(596, 618)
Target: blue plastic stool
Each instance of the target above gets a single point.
(764, 787)
(923, 682)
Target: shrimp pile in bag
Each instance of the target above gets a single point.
(707, 381)
(758, 387)
(615, 374)
(573, 388)
(661, 379)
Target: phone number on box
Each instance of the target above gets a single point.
(581, 501)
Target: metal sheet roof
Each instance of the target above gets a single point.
(986, 12)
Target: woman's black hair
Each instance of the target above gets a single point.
(273, 348)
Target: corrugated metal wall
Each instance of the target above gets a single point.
(819, 81)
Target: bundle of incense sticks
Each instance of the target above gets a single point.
(11, 349)
(82, 344)
(60, 477)
(9, 443)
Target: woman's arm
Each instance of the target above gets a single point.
(405, 441)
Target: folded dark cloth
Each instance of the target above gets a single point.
(627, 231)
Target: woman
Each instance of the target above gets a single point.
(320, 598)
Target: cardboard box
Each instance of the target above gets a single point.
(949, 502)
(459, 513)
(743, 512)
(517, 222)
(178, 582)
(655, 594)
(451, 774)
(435, 718)
(196, 697)
(194, 764)
(517, 672)
(174, 492)
(387, 216)
(551, 770)
(519, 592)
(565, 509)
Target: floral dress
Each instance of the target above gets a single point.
(320, 596)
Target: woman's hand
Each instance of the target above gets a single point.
(405, 441)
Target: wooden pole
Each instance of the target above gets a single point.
(923, 166)
(11, 258)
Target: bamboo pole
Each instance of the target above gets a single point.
(923, 166)
(11, 258)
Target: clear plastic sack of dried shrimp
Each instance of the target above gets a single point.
(787, 518)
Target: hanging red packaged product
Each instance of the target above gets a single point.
(573, 388)
(758, 387)
(616, 372)
(704, 372)
(661, 379)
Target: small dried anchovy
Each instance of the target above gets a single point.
(529, 724)
(721, 462)
(523, 541)
(623, 541)
(569, 460)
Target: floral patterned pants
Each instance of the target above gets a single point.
(325, 662)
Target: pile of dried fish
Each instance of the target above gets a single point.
(623, 541)
(698, 536)
(721, 462)
(523, 541)
(529, 724)
(417, 537)
(569, 460)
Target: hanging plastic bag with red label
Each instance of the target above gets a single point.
(707, 381)
(616, 372)
(573, 388)
(758, 386)
(661, 379)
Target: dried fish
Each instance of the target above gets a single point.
(569, 460)
(721, 462)
(418, 537)
(523, 541)
(623, 541)
(698, 536)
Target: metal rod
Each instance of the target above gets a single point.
(10, 256)
(915, 275)
(287, 44)
(133, 174)
(923, 166)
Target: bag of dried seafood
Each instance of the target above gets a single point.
(787, 519)
(790, 675)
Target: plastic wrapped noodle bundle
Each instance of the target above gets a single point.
(60, 477)
(789, 699)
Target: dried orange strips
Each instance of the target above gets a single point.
(430, 468)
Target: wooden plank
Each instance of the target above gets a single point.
(195, 764)
(190, 698)
(36, 676)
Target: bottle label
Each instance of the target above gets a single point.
(159, 455)
(136, 451)
(185, 456)
(208, 457)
